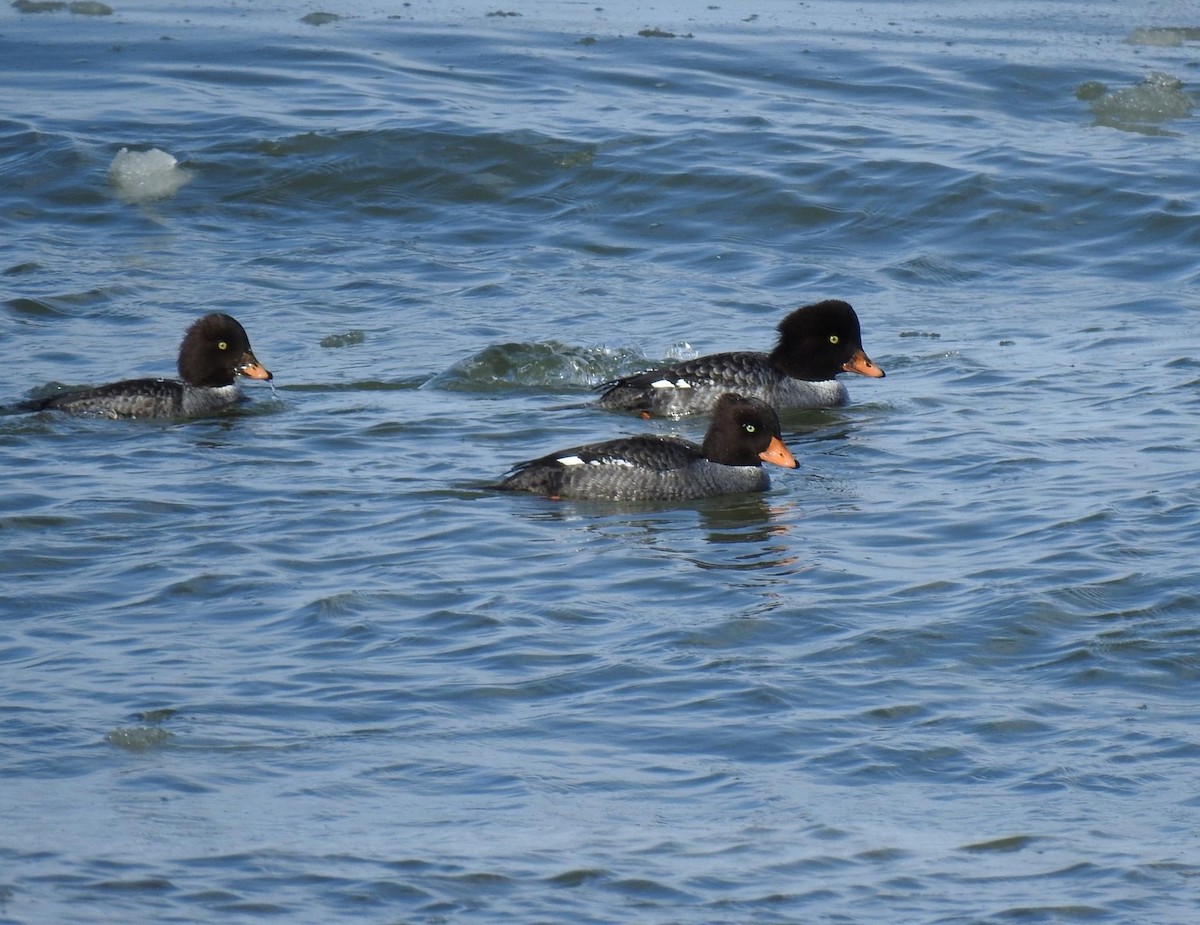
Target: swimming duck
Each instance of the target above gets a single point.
(816, 342)
(743, 434)
(215, 349)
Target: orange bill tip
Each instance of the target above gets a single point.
(252, 369)
(861, 363)
(778, 454)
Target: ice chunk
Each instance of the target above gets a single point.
(1158, 98)
(1168, 36)
(143, 176)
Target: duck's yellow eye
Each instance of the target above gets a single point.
(833, 338)
(749, 428)
(221, 345)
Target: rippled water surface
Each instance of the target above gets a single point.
(291, 663)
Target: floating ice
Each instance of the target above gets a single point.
(1158, 98)
(681, 351)
(1168, 36)
(91, 8)
(142, 176)
(138, 738)
(80, 8)
(320, 19)
(349, 339)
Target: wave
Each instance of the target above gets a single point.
(537, 366)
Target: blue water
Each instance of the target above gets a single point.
(292, 664)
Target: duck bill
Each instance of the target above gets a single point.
(252, 369)
(861, 363)
(778, 454)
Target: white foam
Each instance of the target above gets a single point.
(142, 176)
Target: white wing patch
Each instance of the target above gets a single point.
(601, 461)
(668, 384)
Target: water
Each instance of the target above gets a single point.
(292, 664)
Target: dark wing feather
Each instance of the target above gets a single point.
(744, 371)
(645, 451)
(612, 459)
(128, 399)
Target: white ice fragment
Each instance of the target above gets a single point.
(1168, 38)
(681, 351)
(142, 176)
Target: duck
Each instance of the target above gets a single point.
(215, 350)
(816, 343)
(744, 433)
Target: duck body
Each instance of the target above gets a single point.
(816, 343)
(650, 467)
(142, 398)
(693, 386)
(215, 350)
(641, 468)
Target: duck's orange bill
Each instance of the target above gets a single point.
(778, 454)
(252, 369)
(861, 363)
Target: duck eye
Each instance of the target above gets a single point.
(221, 345)
(833, 338)
(749, 428)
